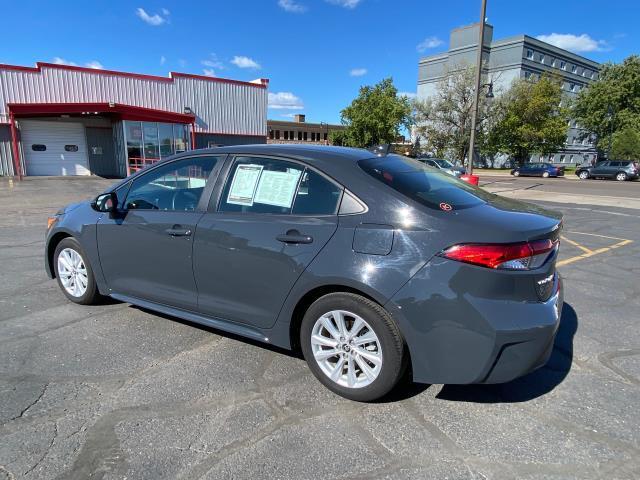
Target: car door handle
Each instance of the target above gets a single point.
(294, 236)
(177, 231)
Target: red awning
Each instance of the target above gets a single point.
(124, 112)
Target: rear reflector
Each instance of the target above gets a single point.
(509, 256)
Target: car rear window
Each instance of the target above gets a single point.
(423, 184)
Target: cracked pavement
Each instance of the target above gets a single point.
(114, 391)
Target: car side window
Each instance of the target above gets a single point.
(261, 185)
(176, 186)
(614, 164)
(316, 195)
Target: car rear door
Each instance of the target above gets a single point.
(601, 169)
(273, 217)
(146, 249)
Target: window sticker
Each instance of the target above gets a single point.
(277, 188)
(243, 185)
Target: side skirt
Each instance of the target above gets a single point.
(236, 329)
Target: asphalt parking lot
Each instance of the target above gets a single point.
(114, 391)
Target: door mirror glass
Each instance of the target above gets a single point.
(107, 202)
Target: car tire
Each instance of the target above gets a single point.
(74, 273)
(584, 175)
(545, 174)
(621, 176)
(363, 378)
(516, 173)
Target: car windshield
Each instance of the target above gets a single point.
(426, 186)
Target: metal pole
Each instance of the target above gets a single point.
(476, 96)
(17, 168)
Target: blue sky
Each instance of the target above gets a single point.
(316, 53)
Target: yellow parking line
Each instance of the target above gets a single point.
(567, 261)
(596, 235)
(576, 244)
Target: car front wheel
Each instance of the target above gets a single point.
(353, 346)
(516, 173)
(621, 176)
(74, 273)
(545, 174)
(583, 175)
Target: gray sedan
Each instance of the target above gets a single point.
(370, 265)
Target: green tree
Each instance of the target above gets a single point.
(337, 137)
(375, 116)
(529, 119)
(612, 103)
(626, 144)
(444, 119)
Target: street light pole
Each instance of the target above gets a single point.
(476, 95)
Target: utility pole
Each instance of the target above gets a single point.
(476, 95)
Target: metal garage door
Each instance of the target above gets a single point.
(54, 148)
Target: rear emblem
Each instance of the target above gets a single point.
(445, 207)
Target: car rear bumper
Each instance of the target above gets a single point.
(456, 334)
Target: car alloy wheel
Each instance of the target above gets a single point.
(346, 349)
(516, 173)
(73, 272)
(583, 175)
(545, 175)
(621, 177)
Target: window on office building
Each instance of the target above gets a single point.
(573, 69)
(541, 57)
(527, 75)
(304, 135)
(286, 134)
(563, 65)
(277, 134)
(529, 53)
(299, 135)
(554, 62)
(572, 87)
(562, 158)
(570, 158)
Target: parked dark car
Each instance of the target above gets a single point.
(541, 169)
(621, 170)
(444, 165)
(369, 264)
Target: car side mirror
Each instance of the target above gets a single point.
(106, 202)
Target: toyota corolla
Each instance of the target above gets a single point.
(369, 264)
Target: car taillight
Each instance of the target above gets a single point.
(505, 256)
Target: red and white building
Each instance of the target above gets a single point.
(68, 120)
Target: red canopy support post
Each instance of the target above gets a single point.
(17, 170)
(193, 135)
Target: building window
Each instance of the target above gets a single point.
(562, 158)
(326, 136)
(286, 134)
(552, 158)
(299, 135)
(529, 53)
(527, 75)
(166, 139)
(572, 87)
(277, 134)
(554, 62)
(570, 158)
(38, 147)
(541, 57)
(271, 134)
(71, 148)
(573, 69)
(304, 135)
(563, 65)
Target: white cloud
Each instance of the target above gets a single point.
(94, 64)
(209, 72)
(345, 3)
(427, 43)
(285, 100)
(575, 43)
(358, 72)
(156, 19)
(213, 62)
(409, 95)
(245, 62)
(292, 6)
(62, 61)
(163, 60)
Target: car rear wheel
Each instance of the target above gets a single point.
(74, 273)
(621, 176)
(545, 174)
(516, 173)
(353, 346)
(583, 175)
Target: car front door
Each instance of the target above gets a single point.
(272, 218)
(146, 248)
(601, 169)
